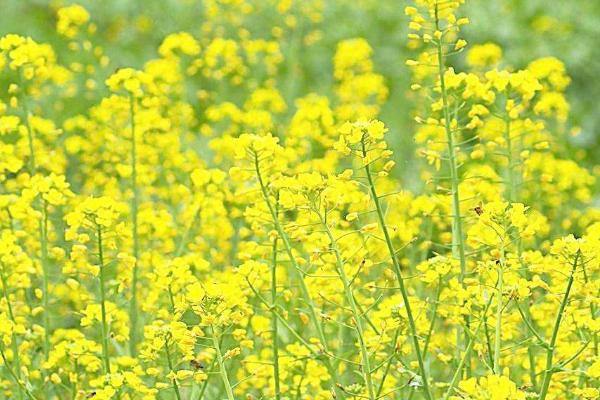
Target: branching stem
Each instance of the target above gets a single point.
(104, 327)
(221, 362)
(366, 365)
(133, 308)
(399, 277)
(552, 345)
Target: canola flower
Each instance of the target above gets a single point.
(169, 242)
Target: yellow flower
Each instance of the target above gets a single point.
(70, 19)
(484, 55)
(182, 41)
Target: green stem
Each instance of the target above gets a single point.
(14, 375)
(304, 289)
(284, 323)
(11, 315)
(512, 195)
(205, 383)
(170, 364)
(434, 313)
(32, 163)
(76, 369)
(458, 243)
(488, 342)
(466, 355)
(366, 365)
(171, 298)
(550, 351)
(104, 330)
(541, 341)
(400, 278)
(499, 290)
(133, 308)
(389, 364)
(288, 249)
(274, 322)
(510, 186)
(530, 349)
(43, 226)
(222, 369)
(186, 233)
(593, 313)
(458, 240)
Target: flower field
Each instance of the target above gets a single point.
(298, 200)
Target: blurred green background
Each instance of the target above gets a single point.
(131, 30)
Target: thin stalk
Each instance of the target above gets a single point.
(284, 323)
(530, 350)
(288, 249)
(299, 385)
(74, 390)
(104, 330)
(550, 351)
(389, 364)
(513, 196)
(304, 289)
(366, 365)
(434, 314)
(11, 315)
(466, 355)
(171, 298)
(274, 326)
(32, 165)
(30, 138)
(170, 364)
(14, 375)
(499, 290)
(205, 383)
(186, 233)
(541, 340)
(458, 240)
(222, 369)
(400, 278)
(133, 308)
(43, 226)
(593, 313)
(510, 185)
(488, 342)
